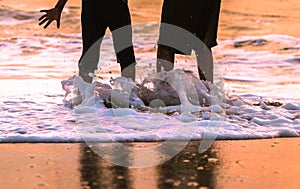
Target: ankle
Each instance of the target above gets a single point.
(86, 75)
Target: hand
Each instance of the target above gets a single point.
(51, 14)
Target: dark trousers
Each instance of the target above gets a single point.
(96, 17)
(198, 18)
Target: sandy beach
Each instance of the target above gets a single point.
(268, 163)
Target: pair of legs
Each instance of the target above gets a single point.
(96, 17)
(196, 18)
(166, 58)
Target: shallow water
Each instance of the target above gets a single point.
(255, 68)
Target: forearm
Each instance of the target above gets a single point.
(61, 4)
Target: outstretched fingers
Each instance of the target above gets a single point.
(44, 10)
(58, 23)
(43, 21)
(49, 16)
(48, 23)
(42, 17)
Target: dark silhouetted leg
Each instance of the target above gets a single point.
(165, 59)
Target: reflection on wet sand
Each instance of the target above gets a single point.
(268, 163)
(188, 169)
(98, 173)
(227, 164)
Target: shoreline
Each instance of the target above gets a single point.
(263, 163)
(51, 141)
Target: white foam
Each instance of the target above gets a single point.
(32, 109)
(290, 106)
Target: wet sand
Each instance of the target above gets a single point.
(268, 163)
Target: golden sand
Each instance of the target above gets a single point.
(267, 163)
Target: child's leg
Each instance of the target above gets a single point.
(165, 59)
(93, 30)
(120, 25)
(205, 65)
